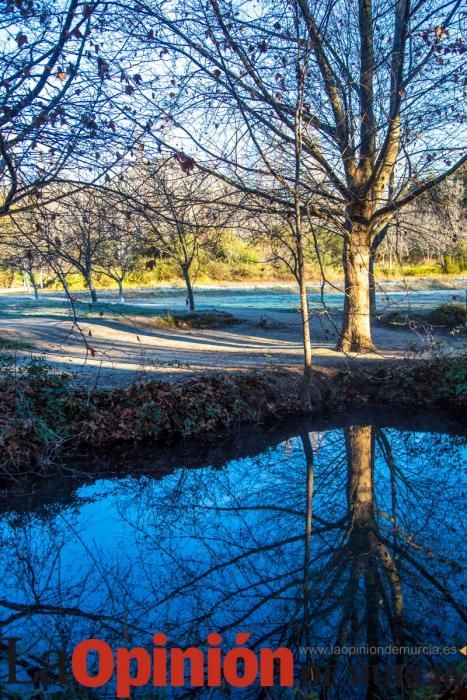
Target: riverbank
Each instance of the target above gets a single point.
(406, 277)
(110, 344)
(43, 416)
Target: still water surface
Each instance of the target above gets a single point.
(286, 299)
(333, 535)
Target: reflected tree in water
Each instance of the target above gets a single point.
(345, 538)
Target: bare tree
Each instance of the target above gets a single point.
(76, 231)
(184, 213)
(56, 120)
(381, 107)
(325, 536)
(430, 227)
(22, 257)
(123, 247)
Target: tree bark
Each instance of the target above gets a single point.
(121, 295)
(62, 279)
(359, 442)
(368, 551)
(372, 285)
(356, 329)
(308, 451)
(34, 286)
(300, 260)
(91, 289)
(307, 358)
(189, 288)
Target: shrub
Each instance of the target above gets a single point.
(421, 270)
(451, 266)
(12, 344)
(449, 315)
(218, 270)
(214, 319)
(395, 318)
(6, 278)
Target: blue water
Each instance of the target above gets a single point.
(264, 299)
(282, 299)
(222, 548)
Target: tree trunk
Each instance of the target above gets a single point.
(91, 289)
(372, 283)
(121, 296)
(34, 286)
(62, 279)
(307, 359)
(308, 451)
(189, 288)
(371, 557)
(356, 329)
(359, 442)
(309, 393)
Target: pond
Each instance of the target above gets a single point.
(339, 539)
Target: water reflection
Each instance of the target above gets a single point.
(339, 538)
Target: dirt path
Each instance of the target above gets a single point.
(119, 350)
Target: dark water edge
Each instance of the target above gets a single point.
(89, 464)
(346, 529)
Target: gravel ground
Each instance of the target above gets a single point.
(114, 349)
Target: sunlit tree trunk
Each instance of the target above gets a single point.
(307, 358)
(298, 149)
(121, 295)
(32, 277)
(372, 285)
(189, 287)
(356, 328)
